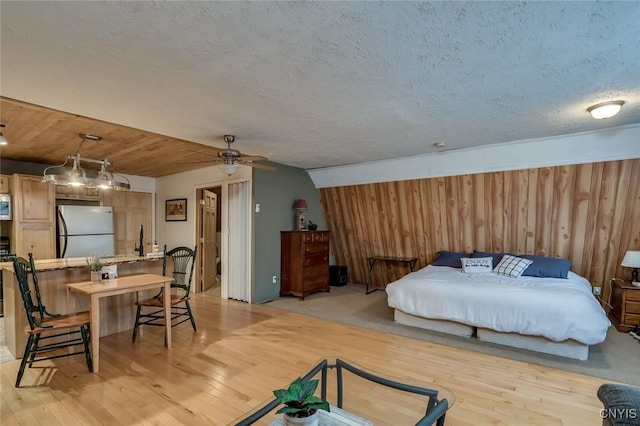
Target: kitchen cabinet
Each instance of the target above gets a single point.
(34, 201)
(78, 193)
(304, 262)
(130, 210)
(33, 229)
(5, 184)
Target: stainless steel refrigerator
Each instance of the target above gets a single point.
(85, 231)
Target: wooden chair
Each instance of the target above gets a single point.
(183, 259)
(42, 323)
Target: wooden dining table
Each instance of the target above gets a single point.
(112, 287)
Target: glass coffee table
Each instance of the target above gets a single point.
(363, 398)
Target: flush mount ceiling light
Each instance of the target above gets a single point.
(77, 176)
(605, 109)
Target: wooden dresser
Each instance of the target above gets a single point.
(304, 262)
(625, 305)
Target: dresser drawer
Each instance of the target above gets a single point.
(315, 270)
(316, 248)
(632, 319)
(632, 307)
(317, 283)
(633, 295)
(315, 259)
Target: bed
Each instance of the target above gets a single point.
(551, 315)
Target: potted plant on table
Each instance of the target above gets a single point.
(300, 404)
(95, 265)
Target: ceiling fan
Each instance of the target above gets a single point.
(231, 159)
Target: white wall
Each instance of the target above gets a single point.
(606, 145)
(184, 185)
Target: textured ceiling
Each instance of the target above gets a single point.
(315, 84)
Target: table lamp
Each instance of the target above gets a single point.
(300, 206)
(632, 260)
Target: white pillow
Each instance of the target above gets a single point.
(512, 266)
(475, 265)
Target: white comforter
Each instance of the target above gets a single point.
(557, 309)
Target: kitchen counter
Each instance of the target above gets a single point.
(81, 262)
(118, 312)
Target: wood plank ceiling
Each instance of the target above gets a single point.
(42, 135)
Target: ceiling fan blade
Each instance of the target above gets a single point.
(203, 153)
(253, 158)
(259, 166)
(201, 161)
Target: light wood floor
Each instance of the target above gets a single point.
(242, 352)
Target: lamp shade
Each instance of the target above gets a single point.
(631, 259)
(301, 204)
(229, 169)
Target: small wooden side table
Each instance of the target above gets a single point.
(625, 305)
(410, 261)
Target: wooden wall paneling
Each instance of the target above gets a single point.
(357, 194)
(562, 204)
(631, 227)
(442, 201)
(589, 254)
(618, 241)
(508, 217)
(342, 243)
(543, 211)
(579, 210)
(604, 222)
(479, 212)
(521, 208)
(466, 212)
(421, 235)
(588, 213)
(531, 212)
(451, 213)
(497, 217)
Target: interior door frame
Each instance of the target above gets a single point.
(224, 229)
(199, 223)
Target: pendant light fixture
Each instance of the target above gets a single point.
(77, 176)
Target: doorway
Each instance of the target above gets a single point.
(208, 224)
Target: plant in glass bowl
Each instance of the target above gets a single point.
(300, 404)
(95, 265)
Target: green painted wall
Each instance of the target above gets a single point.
(276, 192)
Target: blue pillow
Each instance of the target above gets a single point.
(546, 267)
(497, 257)
(449, 258)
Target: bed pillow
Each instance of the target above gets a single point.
(512, 266)
(476, 265)
(497, 257)
(546, 267)
(449, 258)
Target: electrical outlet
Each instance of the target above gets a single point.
(275, 279)
(257, 208)
(597, 291)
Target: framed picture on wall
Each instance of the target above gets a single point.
(175, 210)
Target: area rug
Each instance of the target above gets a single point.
(613, 360)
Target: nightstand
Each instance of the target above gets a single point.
(625, 305)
